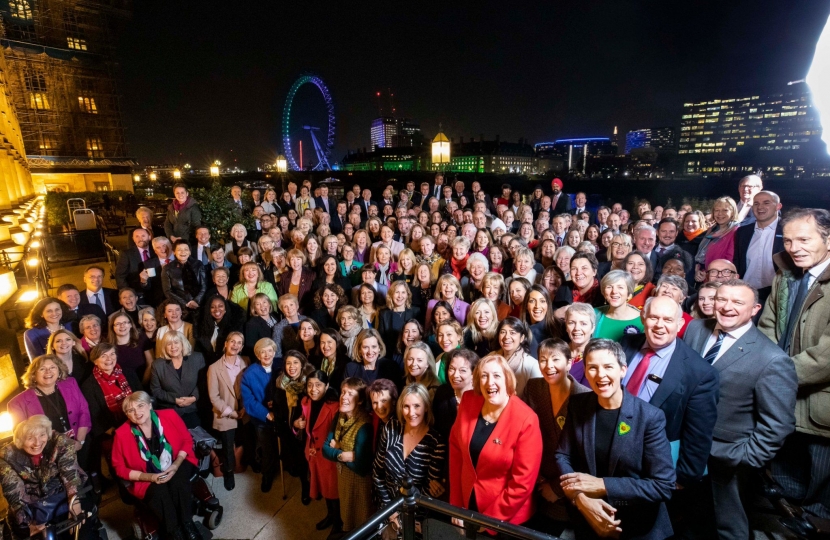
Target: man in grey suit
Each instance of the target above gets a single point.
(756, 409)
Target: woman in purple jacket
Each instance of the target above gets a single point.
(50, 391)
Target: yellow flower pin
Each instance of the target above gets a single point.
(624, 428)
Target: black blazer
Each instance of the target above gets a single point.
(688, 395)
(335, 223)
(323, 318)
(743, 236)
(332, 209)
(111, 304)
(390, 326)
(102, 418)
(128, 267)
(563, 205)
(641, 476)
(255, 329)
(444, 410)
(364, 213)
(234, 322)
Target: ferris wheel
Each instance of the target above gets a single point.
(322, 146)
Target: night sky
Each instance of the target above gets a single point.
(204, 80)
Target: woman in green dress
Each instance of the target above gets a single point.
(618, 317)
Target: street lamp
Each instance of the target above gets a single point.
(177, 174)
(153, 176)
(281, 164)
(137, 178)
(440, 149)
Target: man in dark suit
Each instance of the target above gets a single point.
(560, 203)
(129, 271)
(666, 249)
(756, 407)
(71, 296)
(645, 238)
(339, 217)
(200, 250)
(240, 205)
(438, 187)
(95, 293)
(459, 192)
(669, 374)
(419, 198)
(328, 204)
(365, 202)
(748, 187)
(757, 242)
(614, 459)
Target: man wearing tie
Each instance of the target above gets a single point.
(236, 198)
(559, 202)
(96, 294)
(201, 250)
(324, 201)
(339, 218)
(581, 201)
(420, 199)
(670, 375)
(756, 404)
(132, 260)
(645, 237)
(71, 296)
(797, 317)
(438, 186)
(559, 229)
(365, 202)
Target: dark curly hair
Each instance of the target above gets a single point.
(336, 289)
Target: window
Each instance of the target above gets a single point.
(36, 87)
(20, 9)
(94, 148)
(76, 43)
(48, 145)
(87, 104)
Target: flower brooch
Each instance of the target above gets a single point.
(623, 428)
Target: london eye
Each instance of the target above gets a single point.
(293, 125)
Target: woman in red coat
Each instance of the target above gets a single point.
(490, 472)
(320, 407)
(154, 451)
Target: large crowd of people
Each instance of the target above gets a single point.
(619, 372)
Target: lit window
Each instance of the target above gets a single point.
(20, 9)
(76, 43)
(36, 87)
(87, 104)
(94, 148)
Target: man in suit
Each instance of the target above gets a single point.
(581, 205)
(71, 296)
(129, 271)
(419, 198)
(756, 405)
(667, 231)
(437, 188)
(339, 218)
(560, 203)
(239, 205)
(748, 187)
(626, 492)
(756, 243)
(365, 202)
(797, 317)
(645, 237)
(328, 204)
(459, 192)
(446, 197)
(201, 248)
(667, 373)
(97, 294)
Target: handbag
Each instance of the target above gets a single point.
(45, 509)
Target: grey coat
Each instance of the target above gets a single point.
(183, 224)
(756, 408)
(166, 386)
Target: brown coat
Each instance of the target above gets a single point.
(224, 394)
(810, 346)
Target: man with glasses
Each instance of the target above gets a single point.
(748, 187)
(718, 271)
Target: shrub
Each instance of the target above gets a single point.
(218, 212)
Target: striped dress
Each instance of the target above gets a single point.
(424, 463)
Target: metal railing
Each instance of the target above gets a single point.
(412, 500)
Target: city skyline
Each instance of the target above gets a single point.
(197, 87)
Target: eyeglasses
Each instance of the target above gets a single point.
(123, 323)
(619, 244)
(720, 273)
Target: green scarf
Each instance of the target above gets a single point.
(154, 464)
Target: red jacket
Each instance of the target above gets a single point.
(323, 471)
(125, 455)
(507, 471)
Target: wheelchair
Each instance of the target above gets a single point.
(205, 503)
(65, 527)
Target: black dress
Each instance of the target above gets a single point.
(444, 410)
(391, 323)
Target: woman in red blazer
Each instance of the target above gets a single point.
(320, 407)
(153, 451)
(490, 472)
(298, 280)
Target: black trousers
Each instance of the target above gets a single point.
(172, 502)
(230, 440)
(802, 469)
(266, 447)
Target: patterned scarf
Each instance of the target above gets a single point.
(293, 389)
(155, 464)
(115, 388)
(177, 206)
(328, 365)
(346, 431)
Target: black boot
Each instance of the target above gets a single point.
(305, 487)
(267, 481)
(327, 521)
(230, 482)
(337, 522)
(191, 532)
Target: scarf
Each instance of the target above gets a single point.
(177, 206)
(383, 273)
(115, 388)
(293, 389)
(155, 464)
(588, 297)
(346, 429)
(713, 235)
(458, 266)
(327, 365)
(691, 236)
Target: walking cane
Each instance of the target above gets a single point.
(282, 469)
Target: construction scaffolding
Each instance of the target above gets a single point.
(62, 77)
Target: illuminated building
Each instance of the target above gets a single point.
(384, 131)
(661, 139)
(575, 152)
(778, 132)
(61, 81)
(14, 169)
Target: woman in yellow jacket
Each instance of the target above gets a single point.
(251, 282)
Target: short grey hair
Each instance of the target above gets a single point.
(136, 397)
(615, 276)
(478, 257)
(33, 424)
(596, 345)
(461, 240)
(581, 308)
